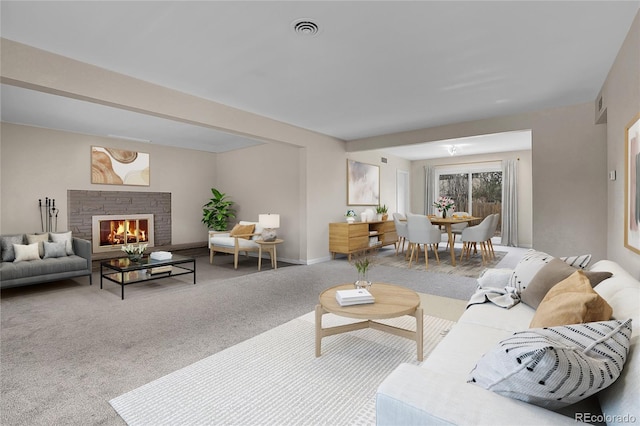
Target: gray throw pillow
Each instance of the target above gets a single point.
(56, 237)
(6, 243)
(551, 274)
(52, 250)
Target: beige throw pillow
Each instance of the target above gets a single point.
(242, 231)
(40, 239)
(571, 301)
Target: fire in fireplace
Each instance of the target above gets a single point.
(113, 231)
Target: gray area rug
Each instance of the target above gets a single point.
(275, 378)
(471, 267)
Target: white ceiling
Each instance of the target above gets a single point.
(376, 67)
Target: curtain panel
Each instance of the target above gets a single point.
(510, 203)
(429, 189)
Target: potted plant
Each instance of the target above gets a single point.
(350, 215)
(382, 212)
(134, 252)
(217, 212)
(363, 264)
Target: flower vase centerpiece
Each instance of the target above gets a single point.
(444, 204)
(350, 215)
(363, 264)
(134, 252)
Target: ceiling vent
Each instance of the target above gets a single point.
(305, 27)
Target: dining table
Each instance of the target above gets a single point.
(447, 222)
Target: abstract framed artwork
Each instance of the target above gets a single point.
(363, 184)
(119, 167)
(632, 185)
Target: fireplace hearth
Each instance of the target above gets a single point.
(111, 232)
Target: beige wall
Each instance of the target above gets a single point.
(568, 167)
(621, 98)
(38, 163)
(568, 152)
(321, 157)
(525, 211)
(265, 179)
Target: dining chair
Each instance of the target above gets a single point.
(402, 230)
(477, 234)
(492, 232)
(456, 228)
(422, 231)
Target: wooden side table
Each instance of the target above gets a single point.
(269, 247)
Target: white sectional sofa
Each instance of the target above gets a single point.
(437, 392)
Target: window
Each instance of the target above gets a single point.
(475, 188)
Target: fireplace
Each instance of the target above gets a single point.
(111, 232)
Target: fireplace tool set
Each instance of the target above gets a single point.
(48, 215)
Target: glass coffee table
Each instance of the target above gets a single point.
(124, 271)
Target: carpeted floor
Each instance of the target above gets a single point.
(275, 379)
(68, 348)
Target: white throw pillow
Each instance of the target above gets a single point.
(527, 268)
(495, 277)
(556, 366)
(57, 237)
(26, 252)
(533, 261)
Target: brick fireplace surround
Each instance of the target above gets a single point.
(82, 205)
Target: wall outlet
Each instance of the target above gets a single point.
(612, 175)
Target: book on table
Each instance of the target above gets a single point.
(356, 296)
(160, 255)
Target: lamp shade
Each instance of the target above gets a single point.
(269, 221)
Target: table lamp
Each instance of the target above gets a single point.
(269, 222)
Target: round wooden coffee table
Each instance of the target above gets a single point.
(391, 301)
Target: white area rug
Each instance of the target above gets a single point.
(275, 378)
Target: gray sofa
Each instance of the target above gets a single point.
(15, 274)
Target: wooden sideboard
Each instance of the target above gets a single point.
(348, 238)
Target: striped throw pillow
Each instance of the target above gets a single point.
(556, 366)
(580, 262)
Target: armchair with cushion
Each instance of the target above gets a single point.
(240, 239)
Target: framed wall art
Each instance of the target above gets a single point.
(119, 167)
(632, 185)
(363, 184)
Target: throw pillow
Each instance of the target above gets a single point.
(26, 252)
(52, 250)
(244, 230)
(6, 244)
(577, 261)
(38, 238)
(56, 237)
(558, 366)
(571, 301)
(527, 268)
(551, 274)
